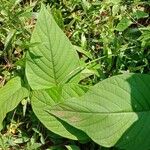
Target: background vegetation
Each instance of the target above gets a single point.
(112, 34)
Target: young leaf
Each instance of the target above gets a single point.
(123, 24)
(53, 60)
(10, 96)
(43, 100)
(115, 111)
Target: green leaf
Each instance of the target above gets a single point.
(145, 34)
(53, 60)
(72, 147)
(115, 111)
(10, 96)
(44, 100)
(145, 37)
(115, 2)
(123, 24)
(140, 14)
(58, 17)
(9, 39)
(115, 9)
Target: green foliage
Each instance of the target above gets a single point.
(52, 61)
(113, 111)
(44, 100)
(123, 24)
(11, 95)
(111, 37)
(49, 67)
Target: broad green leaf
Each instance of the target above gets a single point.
(44, 100)
(123, 24)
(115, 111)
(10, 96)
(53, 60)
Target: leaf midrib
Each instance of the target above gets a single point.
(103, 113)
(52, 59)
